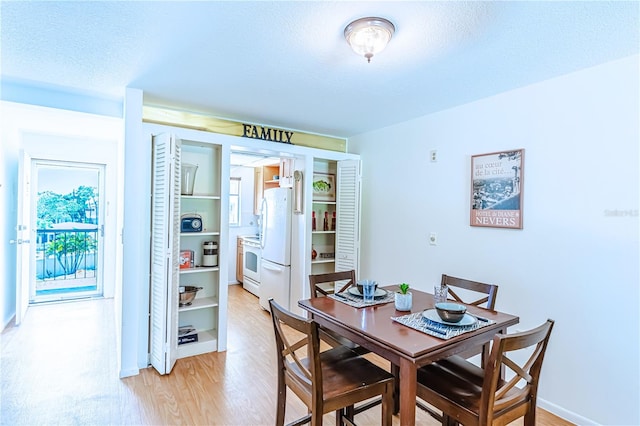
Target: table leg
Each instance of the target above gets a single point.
(408, 379)
(395, 370)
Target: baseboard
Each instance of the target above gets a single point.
(129, 373)
(567, 415)
(11, 322)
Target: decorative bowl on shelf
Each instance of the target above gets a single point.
(187, 294)
(450, 312)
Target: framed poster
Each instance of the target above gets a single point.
(324, 187)
(496, 189)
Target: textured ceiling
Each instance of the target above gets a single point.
(287, 64)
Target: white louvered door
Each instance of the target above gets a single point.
(348, 212)
(165, 246)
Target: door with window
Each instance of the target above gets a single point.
(68, 216)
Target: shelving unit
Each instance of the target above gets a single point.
(202, 314)
(324, 242)
(170, 207)
(343, 240)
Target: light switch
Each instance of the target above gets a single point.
(433, 239)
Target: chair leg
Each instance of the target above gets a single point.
(349, 413)
(387, 405)
(282, 401)
(316, 417)
(448, 421)
(530, 416)
(339, 414)
(395, 370)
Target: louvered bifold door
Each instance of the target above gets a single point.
(348, 216)
(165, 247)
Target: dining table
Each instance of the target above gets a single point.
(406, 347)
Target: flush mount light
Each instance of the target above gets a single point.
(368, 36)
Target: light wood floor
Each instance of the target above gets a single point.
(59, 368)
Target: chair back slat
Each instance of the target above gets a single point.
(488, 292)
(346, 279)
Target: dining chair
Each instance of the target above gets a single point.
(345, 279)
(320, 285)
(486, 292)
(319, 288)
(473, 293)
(477, 294)
(333, 380)
(476, 396)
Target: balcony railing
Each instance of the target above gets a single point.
(66, 254)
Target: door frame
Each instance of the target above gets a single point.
(100, 168)
(24, 236)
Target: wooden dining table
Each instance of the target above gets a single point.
(405, 347)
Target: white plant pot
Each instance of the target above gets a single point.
(403, 301)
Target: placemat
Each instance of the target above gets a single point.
(358, 302)
(436, 329)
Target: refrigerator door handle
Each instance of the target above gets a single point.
(263, 224)
(272, 268)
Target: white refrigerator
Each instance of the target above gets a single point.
(275, 270)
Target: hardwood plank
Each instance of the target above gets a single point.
(60, 367)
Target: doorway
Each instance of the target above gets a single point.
(69, 222)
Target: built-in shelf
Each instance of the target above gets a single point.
(323, 232)
(198, 234)
(323, 261)
(200, 197)
(199, 269)
(207, 342)
(204, 302)
(323, 202)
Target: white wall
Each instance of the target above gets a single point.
(580, 133)
(248, 220)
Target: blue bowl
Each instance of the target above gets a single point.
(450, 312)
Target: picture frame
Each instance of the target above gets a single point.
(496, 189)
(324, 186)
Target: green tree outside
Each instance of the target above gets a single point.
(69, 248)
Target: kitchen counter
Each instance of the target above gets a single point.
(251, 238)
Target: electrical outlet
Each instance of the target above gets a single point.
(433, 239)
(433, 155)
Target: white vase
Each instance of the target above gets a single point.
(403, 301)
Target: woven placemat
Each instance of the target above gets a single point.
(444, 331)
(358, 302)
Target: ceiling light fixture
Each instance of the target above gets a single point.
(368, 36)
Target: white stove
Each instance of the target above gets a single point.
(251, 264)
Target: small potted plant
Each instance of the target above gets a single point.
(403, 298)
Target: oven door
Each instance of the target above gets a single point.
(251, 266)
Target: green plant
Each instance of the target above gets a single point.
(70, 248)
(404, 288)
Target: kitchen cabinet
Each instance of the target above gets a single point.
(264, 179)
(239, 259)
(170, 242)
(337, 244)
